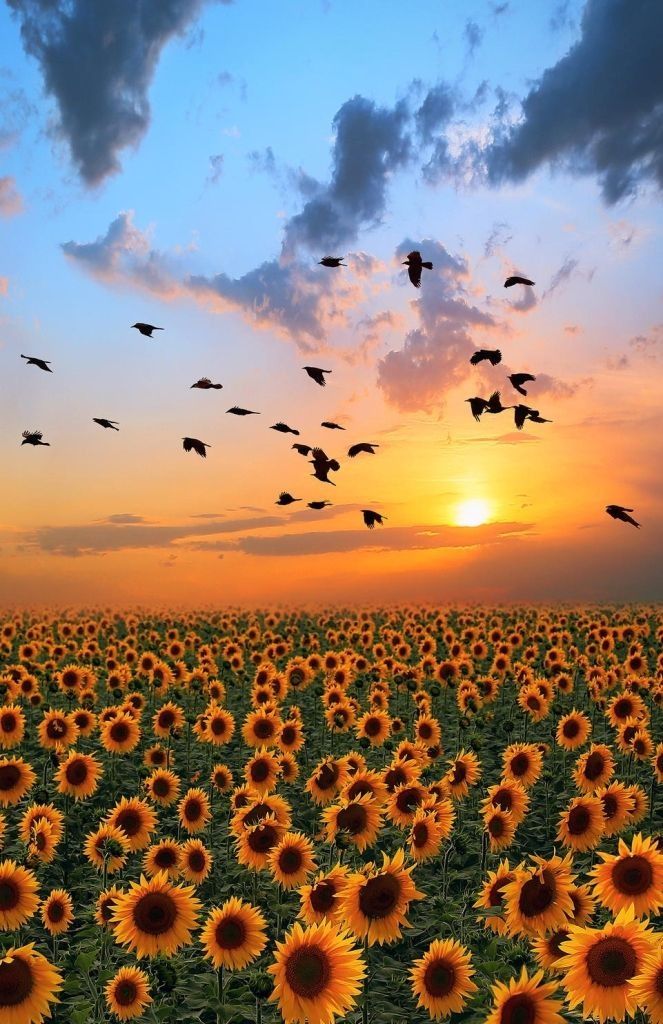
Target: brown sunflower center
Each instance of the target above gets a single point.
(611, 962)
(308, 971)
(55, 911)
(322, 896)
(8, 722)
(126, 992)
(519, 1009)
(230, 932)
(9, 776)
(155, 913)
(259, 771)
(119, 732)
(503, 799)
(420, 834)
(193, 809)
(352, 819)
(408, 799)
(218, 726)
(632, 875)
(16, 982)
(579, 820)
(327, 776)
(459, 773)
(76, 772)
(379, 896)
(609, 805)
(496, 826)
(264, 728)
(571, 728)
(10, 894)
(555, 942)
(623, 707)
(197, 860)
(537, 894)
(520, 764)
(290, 860)
(360, 788)
(594, 765)
(262, 838)
(161, 786)
(439, 978)
(56, 728)
(165, 857)
(425, 730)
(129, 821)
(373, 726)
(256, 814)
(288, 735)
(395, 777)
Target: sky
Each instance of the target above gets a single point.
(187, 164)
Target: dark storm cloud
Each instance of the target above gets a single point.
(597, 110)
(435, 111)
(97, 60)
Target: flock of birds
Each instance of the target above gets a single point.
(322, 464)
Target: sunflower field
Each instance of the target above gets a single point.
(403, 813)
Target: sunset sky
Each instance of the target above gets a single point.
(187, 163)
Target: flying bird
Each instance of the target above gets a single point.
(146, 329)
(494, 356)
(43, 364)
(316, 374)
(518, 379)
(371, 518)
(537, 418)
(303, 449)
(522, 413)
(494, 403)
(193, 444)
(331, 426)
(510, 281)
(333, 261)
(34, 437)
(620, 512)
(323, 465)
(363, 446)
(205, 384)
(414, 264)
(478, 406)
(286, 499)
(238, 411)
(108, 424)
(283, 428)
(318, 504)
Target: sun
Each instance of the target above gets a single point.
(473, 512)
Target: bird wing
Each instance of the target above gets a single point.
(414, 273)
(495, 357)
(477, 357)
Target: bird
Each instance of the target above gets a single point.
(331, 426)
(414, 264)
(108, 424)
(193, 444)
(238, 411)
(323, 465)
(620, 512)
(494, 403)
(363, 446)
(146, 329)
(521, 414)
(283, 428)
(43, 364)
(286, 499)
(478, 406)
(333, 261)
(494, 356)
(537, 418)
(518, 379)
(316, 374)
(205, 384)
(303, 449)
(510, 281)
(371, 518)
(34, 437)
(318, 504)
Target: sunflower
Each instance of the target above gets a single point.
(18, 895)
(328, 778)
(626, 705)
(16, 779)
(594, 769)
(522, 762)
(168, 720)
(234, 935)
(582, 824)
(28, 985)
(155, 917)
(359, 819)
(375, 901)
(292, 860)
(508, 796)
(441, 978)
(532, 702)
(194, 810)
(464, 771)
(104, 905)
(257, 842)
(261, 771)
(128, 993)
(427, 730)
(78, 775)
(85, 720)
(291, 737)
(221, 778)
(547, 949)
(500, 828)
(57, 911)
(157, 756)
(163, 786)
(573, 730)
(632, 876)
(108, 846)
(12, 726)
(318, 973)
(657, 763)
(538, 899)
(599, 963)
(375, 726)
(195, 861)
(647, 986)
(639, 804)
(136, 819)
(525, 1001)
(261, 729)
(220, 726)
(400, 773)
(320, 901)
(584, 904)
(120, 735)
(288, 766)
(57, 729)
(42, 841)
(258, 808)
(163, 856)
(617, 803)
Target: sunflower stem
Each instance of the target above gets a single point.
(365, 1000)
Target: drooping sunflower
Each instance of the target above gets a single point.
(318, 973)
(194, 810)
(320, 901)
(594, 768)
(573, 730)
(120, 735)
(631, 877)
(107, 845)
(16, 779)
(441, 978)
(162, 856)
(163, 786)
(360, 819)
(292, 860)
(647, 986)
(234, 935)
(538, 899)
(464, 771)
(657, 763)
(28, 985)
(288, 766)
(155, 917)
(525, 1001)
(195, 861)
(42, 842)
(57, 911)
(617, 803)
(375, 901)
(136, 819)
(522, 762)
(18, 895)
(262, 771)
(508, 796)
(582, 824)
(79, 775)
(599, 963)
(128, 993)
(500, 828)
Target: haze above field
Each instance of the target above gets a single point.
(189, 166)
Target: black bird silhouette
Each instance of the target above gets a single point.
(318, 504)
(363, 446)
(316, 374)
(478, 406)
(34, 437)
(283, 428)
(323, 465)
(303, 449)
(238, 411)
(108, 424)
(371, 518)
(331, 426)
(522, 413)
(494, 356)
(620, 512)
(286, 499)
(510, 281)
(518, 379)
(43, 364)
(414, 264)
(193, 444)
(537, 418)
(146, 329)
(333, 261)
(494, 403)
(205, 384)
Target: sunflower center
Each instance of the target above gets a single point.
(537, 894)
(218, 726)
(379, 896)
(459, 773)
(496, 827)
(609, 805)
(55, 911)
(192, 810)
(16, 982)
(594, 765)
(125, 993)
(197, 860)
(9, 776)
(611, 962)
(10, 894)
(503, 799)
(262, 838)
(119, 732)
(263, 728)
(372, 727)
(290, 860)
(408, 799)
(623, 708)
(8, 722)
(439, 978)
(360, 788)
(520, 764)
(519, 1009)
(230, 933)
(352, 819)
(571, 729)
(155, 913)
(76, 772)
(308, 971)
(259, 771)
(165, 857)
(578, 821)
(256, 814)
(327, 776)
(555, 941)
(425, 730)
(322, 896)
(288, 735)
(56, 728)
(129, 821)
(632, 875)
(166, 719)
(420, 834)
(161, 786)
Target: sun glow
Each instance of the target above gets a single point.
(473, 512)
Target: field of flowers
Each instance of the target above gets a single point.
(398, 814)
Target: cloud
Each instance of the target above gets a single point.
(473, 34)
(4, 286)
(97, 61)
(499, 237)
(10, 199)
(650, 345)
(563, 274)
(598, 110)
(216, 168)
(435, 112)
(123, 518)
